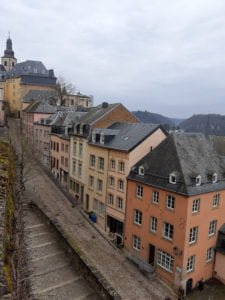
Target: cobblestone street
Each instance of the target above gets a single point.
(123, 276)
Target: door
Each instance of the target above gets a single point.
(151, 254)
(87, 202)
(189, 286)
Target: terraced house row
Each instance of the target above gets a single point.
(159, 196)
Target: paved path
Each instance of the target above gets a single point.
(124, 277)
(52, 275)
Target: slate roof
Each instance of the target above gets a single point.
(40, 107)
(97, 112)
(124, 136)
(28, 67)
(32, 72)
(39, 95)
(61, 118)
(186, 155)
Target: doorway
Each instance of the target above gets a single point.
(189, 285)
(151, 258)
(87, 202)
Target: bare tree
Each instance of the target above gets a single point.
(64, 88)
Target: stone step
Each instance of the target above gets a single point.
(44, 250)
(74, 290)
(55, 277)
(46, 265)
(42, 239)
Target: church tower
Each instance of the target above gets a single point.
(8, 60)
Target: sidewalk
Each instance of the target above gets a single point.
(123, 276)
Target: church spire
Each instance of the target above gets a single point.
(8, 60)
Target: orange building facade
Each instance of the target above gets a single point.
(174, 234)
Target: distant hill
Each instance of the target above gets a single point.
(211, 124)
(148, 117)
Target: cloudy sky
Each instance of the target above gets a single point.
(162, 56)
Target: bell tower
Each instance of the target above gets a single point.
(8, 60)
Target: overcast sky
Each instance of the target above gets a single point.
(162, 56)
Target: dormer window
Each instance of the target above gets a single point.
(141, 171)
(93, 137)
(173, 178)
(214, 178)
(102, 138)
(198, 180)
(81, 129)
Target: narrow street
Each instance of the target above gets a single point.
(122, 275)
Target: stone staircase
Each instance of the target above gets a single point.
(51, 273)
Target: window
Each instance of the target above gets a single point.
(214, 178)
(216, 198)
(92, 161)
(198, 180)
(111, 181)
(190, 263)
(153, 224)
(79, 169)
(195, 206)
(74, 167)
(57, 146)
(66, 162)
(209, 254)
(212, 227)
(91, 182)
(99, 185)
(193, 235)
(75, 148)
(139, 191)
(110, 199)
(170, 202)
(165, 260)
(93, 136)
(141, 171)
(155, 197)
(137, 217)
(101, 164)
(121, 167)
(172, 179)
(62, 147)
(80, 150)
(119, 203)
(102, 138)
(136, 242)
(112, 164)
(168, 231)
(120, 185)
(62, 160)
(99, 207)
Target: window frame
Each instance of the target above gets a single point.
(216, 199)
(193, 235)
(153, 224)
(168, 231)
(136, 242)
(165, 260)
(212, 227)
(170, 202)
(101, 163)
(196, 204)
(153, 197)
(190, 264)
(139, 191)
(137, 219)
(92, 161)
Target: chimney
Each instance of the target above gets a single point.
(105, 104)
